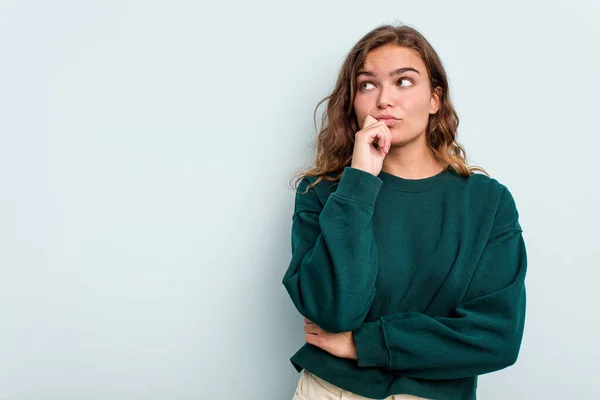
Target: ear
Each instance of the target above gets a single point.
(435, 102)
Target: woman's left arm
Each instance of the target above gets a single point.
(483, 334)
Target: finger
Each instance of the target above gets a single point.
(306, 320)
(312, 339)
(389, 140)
(312, 329)
(388, 137)
(382, 138)
(369, 120)
(372, 133)
(317, 340)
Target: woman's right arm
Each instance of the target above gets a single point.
(332, 272)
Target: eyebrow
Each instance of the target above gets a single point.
(394, 72)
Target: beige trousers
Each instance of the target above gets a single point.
(311, 387)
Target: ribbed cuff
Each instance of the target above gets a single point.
(359, 185)
(370, 345)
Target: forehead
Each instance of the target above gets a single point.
(389, 57)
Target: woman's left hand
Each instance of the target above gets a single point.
(339, 344)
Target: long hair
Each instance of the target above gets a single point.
(335, 140)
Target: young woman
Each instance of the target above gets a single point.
(408, 266)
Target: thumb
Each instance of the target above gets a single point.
(369, 121)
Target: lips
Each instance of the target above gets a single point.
(389, 121)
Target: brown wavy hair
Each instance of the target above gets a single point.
(335, 140)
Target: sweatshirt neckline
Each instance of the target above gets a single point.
(416, 185)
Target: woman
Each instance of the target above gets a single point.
(408, 266)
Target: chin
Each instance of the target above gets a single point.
(399, 139)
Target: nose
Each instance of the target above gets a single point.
(386, 98)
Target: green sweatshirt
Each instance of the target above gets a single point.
(429, 274)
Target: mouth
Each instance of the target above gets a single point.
(389, 121)
(386, 116)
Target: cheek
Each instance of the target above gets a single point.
(416, 103)
(417, 108)
(359, 110)
(416, 112)
(359, 103)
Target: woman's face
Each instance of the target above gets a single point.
(394, 81)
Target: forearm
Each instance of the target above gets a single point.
(331, 276)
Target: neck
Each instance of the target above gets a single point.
(412, 161)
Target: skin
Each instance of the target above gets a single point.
(403, 151)
(407, 96)
(339, 344)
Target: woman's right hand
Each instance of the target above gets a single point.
(365, 156)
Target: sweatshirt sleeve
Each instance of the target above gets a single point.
(333, 267)
(484, 332)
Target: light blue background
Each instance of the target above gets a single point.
(145, 150)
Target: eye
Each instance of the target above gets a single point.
(406, 79)
(361, 87)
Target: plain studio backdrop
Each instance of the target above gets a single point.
(146, 151)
